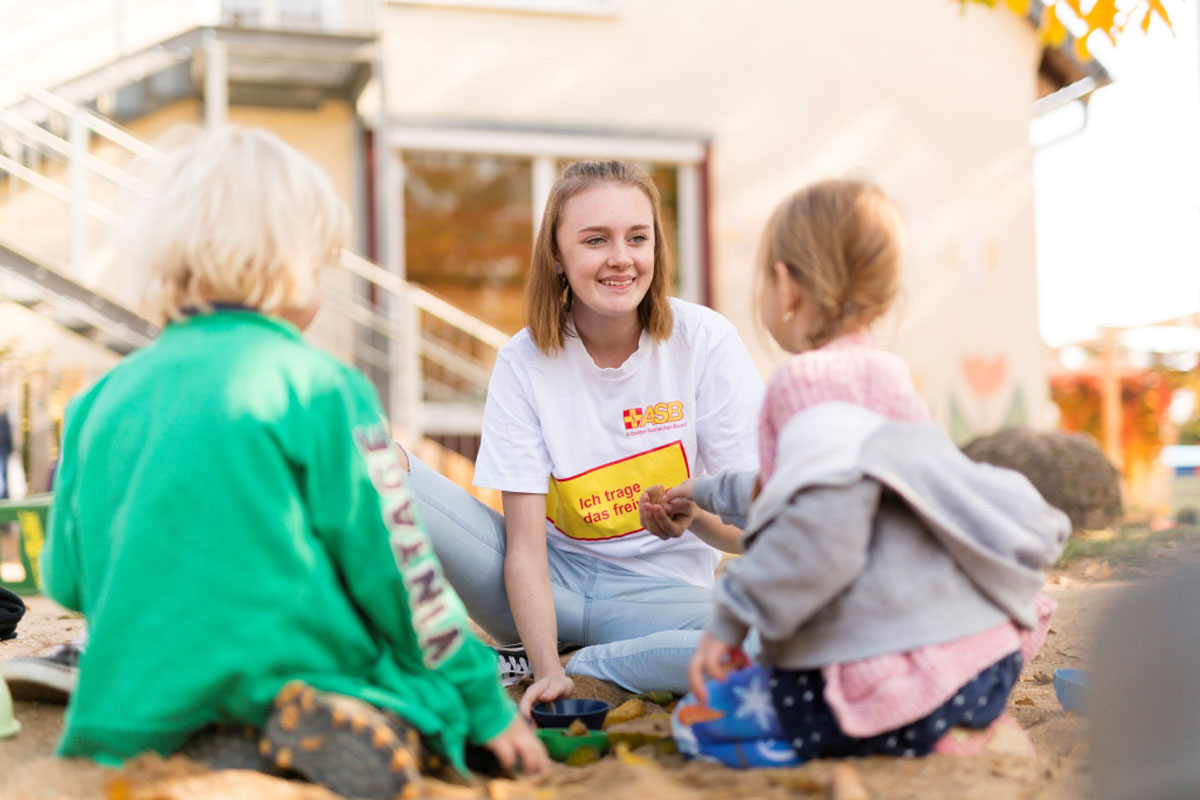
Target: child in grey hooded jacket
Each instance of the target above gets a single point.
(892, 581)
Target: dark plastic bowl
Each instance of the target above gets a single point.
(561, 713)
(1071, 685)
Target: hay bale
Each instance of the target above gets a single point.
(1069, 470)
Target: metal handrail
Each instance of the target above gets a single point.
(426, 301)
(432, 349)
(97, 165)
(406, 342)
(93, 121)
(36, 179)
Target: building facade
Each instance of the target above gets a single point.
(444, 122)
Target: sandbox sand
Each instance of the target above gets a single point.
(28, 768)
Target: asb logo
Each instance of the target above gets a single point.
(653, 414)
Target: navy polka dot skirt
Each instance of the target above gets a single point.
(763, 717)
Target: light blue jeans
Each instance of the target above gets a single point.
(638, 631)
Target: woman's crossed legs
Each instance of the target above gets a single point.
(637, 631)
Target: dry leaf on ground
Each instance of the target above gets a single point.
(630, 709)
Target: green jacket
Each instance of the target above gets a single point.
(229, 514)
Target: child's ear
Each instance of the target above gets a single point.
(789, 291)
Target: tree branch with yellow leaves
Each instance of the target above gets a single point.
(1092, 17)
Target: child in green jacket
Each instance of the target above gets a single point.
(231, 518)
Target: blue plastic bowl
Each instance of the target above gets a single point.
(561, 713)
(1071, 685)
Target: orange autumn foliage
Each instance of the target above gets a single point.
(1100, 17)
(1145, 400)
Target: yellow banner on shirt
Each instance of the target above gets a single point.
(602, 503)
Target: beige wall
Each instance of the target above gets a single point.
(324, 135)
(931, 103)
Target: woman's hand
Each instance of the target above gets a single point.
(530, 596)
(552, 687)
(713, 658)
(670, 518)
(517, 747)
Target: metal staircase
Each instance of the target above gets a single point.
(64, 179)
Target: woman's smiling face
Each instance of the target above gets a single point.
(606, 247)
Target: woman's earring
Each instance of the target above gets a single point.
(787, 316)
(558, 270)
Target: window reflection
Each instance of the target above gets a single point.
(469, 230)
(469, 226)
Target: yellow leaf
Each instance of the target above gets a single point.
(1019, 7)
(630, 740)
(630, 709)
(118, 789)
(1081, 49)
(1102, 17)
(632, 759)
(1156, 7)
(1053, 32)
(659, 697)
(582, 756)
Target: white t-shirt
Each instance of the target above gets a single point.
(592, 439)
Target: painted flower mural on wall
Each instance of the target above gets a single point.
(985, 375)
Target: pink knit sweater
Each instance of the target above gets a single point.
(878, 694)
(849, 369)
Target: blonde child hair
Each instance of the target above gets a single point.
(239, 217)
(842, 242)
(547, 295)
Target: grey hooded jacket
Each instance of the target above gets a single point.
(875, 537)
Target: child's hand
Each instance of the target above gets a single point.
(670, 517)
(517, 746)
(712, 658)
(681, 492)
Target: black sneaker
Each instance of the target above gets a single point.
(513, 663)
(49, 678)
(342, 743)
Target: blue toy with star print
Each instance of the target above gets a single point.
(763, 717)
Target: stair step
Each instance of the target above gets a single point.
(73, 306)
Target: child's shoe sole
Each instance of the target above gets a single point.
(341, 743)
(225, 747)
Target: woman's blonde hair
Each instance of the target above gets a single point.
(547, 294)
(842, 241)
(236, 216)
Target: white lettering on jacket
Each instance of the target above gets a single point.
(438, 624)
